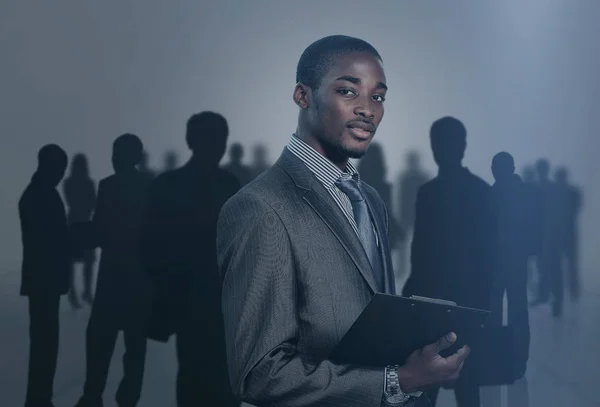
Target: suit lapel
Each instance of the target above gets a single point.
(324, 205)
(326, 208)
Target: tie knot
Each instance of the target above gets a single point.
(350, 187)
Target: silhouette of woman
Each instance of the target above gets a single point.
(80, 194)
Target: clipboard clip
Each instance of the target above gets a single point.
(433, 300)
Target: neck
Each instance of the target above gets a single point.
(337, 158)
(450, 168)
(202, 163)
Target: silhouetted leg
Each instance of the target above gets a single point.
(134, 359)
(202, 377)
(573, 270)
(43, 348)
(88, 279)
(518, 312)
(101, 337)
(557, 286)
(73, 298)
(545, 283)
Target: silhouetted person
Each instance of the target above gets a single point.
(410, 180)
(515, 221)
(144, 168)
(236, 167)
(259, 161)
(534, 235)
(570, 202)
(179, 252)
(373, 171)
(80, 193)
(453, 248)
(549, 267)
(123, 291)
(170, 161)
(45, 269)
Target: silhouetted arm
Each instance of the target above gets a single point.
(261, 319)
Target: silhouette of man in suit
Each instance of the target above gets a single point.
(410, 181)
(179, 252)
(515, 221)
(549, 265)
(453, 248)
(123, 291)
(570, 201)
(45, 269)
(304, 248)
(80, 194)
(236, 166)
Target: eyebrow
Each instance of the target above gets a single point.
(356, 81)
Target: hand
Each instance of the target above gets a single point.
(425, 368)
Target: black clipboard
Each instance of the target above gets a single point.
(392, 327)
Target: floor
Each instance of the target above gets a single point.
(563, 371)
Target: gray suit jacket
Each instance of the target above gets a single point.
(295, 278)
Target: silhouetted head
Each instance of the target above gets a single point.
(372, 166)
(127, 152)
(206, 136)
(259, 154)
(236, 153)
(340, 89)
(448, 142)
(79, 166)
(562, 175)
(503, 166)
(52, 164)
(170, 160)
(413, 160)
(542, 167)
(528, 174)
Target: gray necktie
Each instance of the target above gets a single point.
(366, 233)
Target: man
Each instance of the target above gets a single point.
(549, 265)
(180, 254)
(303, 249)
(453, 249)
(123, 292)
(515, 222)
(570, 199)
(45, 270)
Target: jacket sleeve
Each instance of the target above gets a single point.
(261, 318)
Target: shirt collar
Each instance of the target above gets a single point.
(326, 172)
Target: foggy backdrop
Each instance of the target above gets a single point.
(522, 76)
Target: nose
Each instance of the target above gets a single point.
(365, 109)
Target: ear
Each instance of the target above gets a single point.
(302, 95)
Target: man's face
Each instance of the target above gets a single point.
(346, 109)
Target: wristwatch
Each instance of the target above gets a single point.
(393, 394)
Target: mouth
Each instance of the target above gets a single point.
(359, 133)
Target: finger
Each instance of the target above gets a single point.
(459, 357)
(441, 344)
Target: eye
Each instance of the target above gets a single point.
(379, 98)
(347, 92)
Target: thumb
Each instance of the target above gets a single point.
(441, 344)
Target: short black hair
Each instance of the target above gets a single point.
(205, 127)
(51, 155)
(317, 58)
(130, 147)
